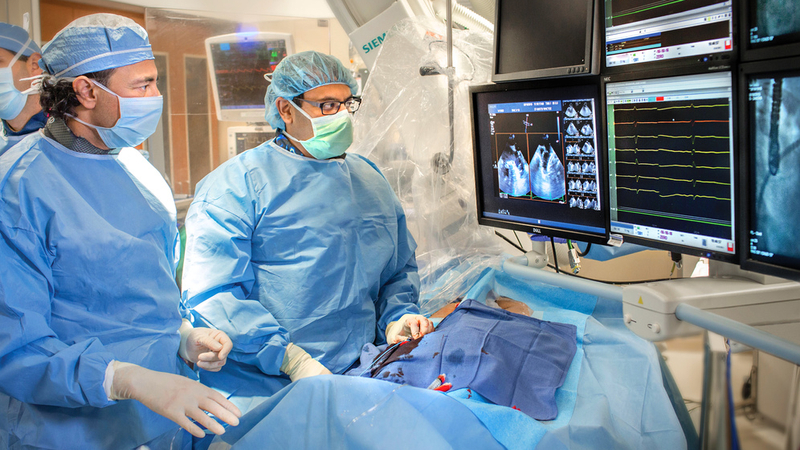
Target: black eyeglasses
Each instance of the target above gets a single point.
(331, 107)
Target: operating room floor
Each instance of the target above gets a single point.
(684, 356)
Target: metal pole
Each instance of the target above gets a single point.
(739, 332)
(516, 268)
(450, 79)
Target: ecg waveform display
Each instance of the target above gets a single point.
(621, 12)
(672, 164)
(239, 69)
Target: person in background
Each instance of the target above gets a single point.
(19, 108)
(296, 249)
(93, 349)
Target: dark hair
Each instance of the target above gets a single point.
(57, 97)
(22, 58)
(301, 97)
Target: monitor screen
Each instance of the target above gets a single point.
(773, 23)
(686, 31)
(671, 171)
(538, 165)
(773, 166)
(544, 38)
(238, 63)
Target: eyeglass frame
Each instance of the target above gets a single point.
(354, 99)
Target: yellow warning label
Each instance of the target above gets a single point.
(640, 300)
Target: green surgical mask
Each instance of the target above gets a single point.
(333, 134)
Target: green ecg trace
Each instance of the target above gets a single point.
(647, 9)
(727, 225)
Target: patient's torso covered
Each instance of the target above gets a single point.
(510, 359)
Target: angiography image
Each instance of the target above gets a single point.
(775, 136)
(513, 172)
(778, 17)
(547, 173)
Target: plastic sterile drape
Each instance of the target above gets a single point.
(403, 126)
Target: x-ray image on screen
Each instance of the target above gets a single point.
(774, 22)
(547, 171)
(775, 141)
(513, 171)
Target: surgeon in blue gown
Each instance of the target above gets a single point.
(19, 104)
(296, 249)
(93, 350)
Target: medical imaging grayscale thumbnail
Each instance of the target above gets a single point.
(775, 135)
(513, 171)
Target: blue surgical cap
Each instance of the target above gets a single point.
(302, 72)
(94, 43)
(13, 39)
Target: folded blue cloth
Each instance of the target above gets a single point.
(510, 359)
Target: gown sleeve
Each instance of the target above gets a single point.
(217, 279)
(35, 365)
(399, 290)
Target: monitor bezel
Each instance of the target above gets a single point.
(763, 52)
(244, 114)
(590, 67)
(719, 61)
(746, 174)
(602, 168)
(661, 245)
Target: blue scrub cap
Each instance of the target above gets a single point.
(94, 43)
(302, 72)
(13, 39)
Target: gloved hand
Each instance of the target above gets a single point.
(299, 364)
(173, 396)
(206, 347)
(410, 326)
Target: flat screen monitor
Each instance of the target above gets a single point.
(546, 38)
(671, 163)
(247, 137)
(771, 28)
(645, 33)
(770, 127)
(538, 158)
(237, 63)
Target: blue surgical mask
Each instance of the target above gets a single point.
(11, 99)
(138, 119)
(333, 134)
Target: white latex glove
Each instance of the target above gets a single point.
(299, 364)
(410, 326)
(206, 347)
(173, 396)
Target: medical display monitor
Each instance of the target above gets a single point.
(237, 63)
(538, 161)
(771, 124)
(671, 163)
(771, 28)
(546, 38)
(642, 33)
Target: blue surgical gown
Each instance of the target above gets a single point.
(87, 244)
(283, 248)
(11, 138)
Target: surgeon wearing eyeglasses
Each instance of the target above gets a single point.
(298, 250)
